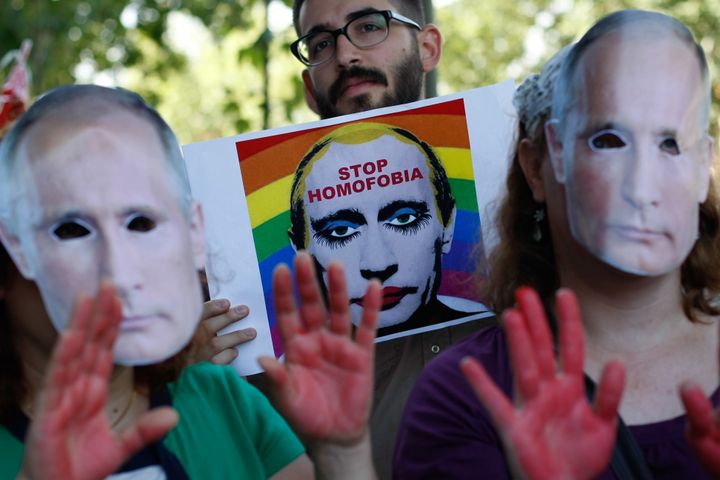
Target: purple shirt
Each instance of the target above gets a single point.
(446, 433)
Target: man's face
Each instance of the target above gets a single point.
(392, 233)
(636, 157)
(102, 206)
(356, 80)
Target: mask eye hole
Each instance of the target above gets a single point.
(70, 230)
(141, 223)
(670, 145)
(607, 140)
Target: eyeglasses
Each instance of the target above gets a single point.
(364, 31)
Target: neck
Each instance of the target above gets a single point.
(623, 312)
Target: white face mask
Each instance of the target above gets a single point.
(635, 160)
(107, 209)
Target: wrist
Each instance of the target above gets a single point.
(334, 460)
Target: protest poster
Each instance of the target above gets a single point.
(397, 194)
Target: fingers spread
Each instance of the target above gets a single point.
(365, 333)
(572, 340)
(312, 306)
(536, 324)
(285, 308)
(610, 389)
(338, 300)
(699, 409)
(522, 354)
(277, 374)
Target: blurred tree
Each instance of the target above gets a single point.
(218, 67)
(127, 43)
(70, 31)
(496, 40)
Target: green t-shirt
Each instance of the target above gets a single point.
(227, 429)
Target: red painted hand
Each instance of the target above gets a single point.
(552, 432)
(703, 427)
(70, 437)
(324, 387)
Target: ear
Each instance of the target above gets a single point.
(13, 246)
(531, 162)
(448, 232)
(430, 46)
(555, 149)
(309, 92)
(707, 152)
(197, 234)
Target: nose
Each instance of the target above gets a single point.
(381, 275)
(377, 259)
(639, 184)
(346, 54)
(118, 265)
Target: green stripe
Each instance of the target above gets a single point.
(272, 235)
(464, 191)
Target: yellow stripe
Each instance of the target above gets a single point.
(457, 162)
(269, 201)
(273, 199)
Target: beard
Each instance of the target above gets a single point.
(407, 77)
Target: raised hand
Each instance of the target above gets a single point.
(70, 437)
(219, 349)
(552, 432)
(703, 427)
(324, 387)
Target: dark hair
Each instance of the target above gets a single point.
(413, 9)
(13, 387)
(438, 177)
(519, 260)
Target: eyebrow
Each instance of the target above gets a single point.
(610, 125)
(593, 127)
(668, 132)
(388, 210)
(51, 216)
(349, 214)
(324, 27)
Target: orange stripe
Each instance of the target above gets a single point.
(281, 159)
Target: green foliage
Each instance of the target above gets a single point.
(495, 40)
(239, 75)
